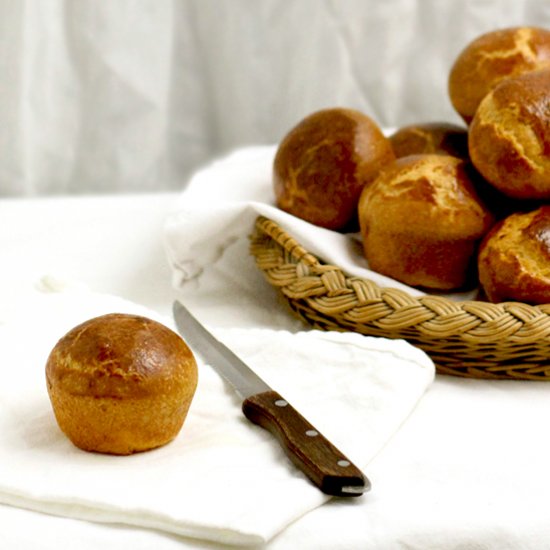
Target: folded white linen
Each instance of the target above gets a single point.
(220, 204)
(222, 479)
(206, 240)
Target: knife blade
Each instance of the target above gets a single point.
(326, 466)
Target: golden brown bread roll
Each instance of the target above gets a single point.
(514, 258)
(121, 384)
(324, 162)
(421, 221)
(441, 138)
(509, 138)
(492, 57)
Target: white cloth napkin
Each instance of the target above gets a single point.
(207, 239)
(222, 479)
(228, 195)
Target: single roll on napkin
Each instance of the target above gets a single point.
(222, 479)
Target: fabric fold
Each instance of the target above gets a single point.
(221, 203)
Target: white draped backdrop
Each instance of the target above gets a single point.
(133, 95)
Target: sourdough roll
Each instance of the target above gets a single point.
(440, 138)
(322, 165)
(509, 138)
(491, 58)
(514, 258)
(421, 222)
(121, 384)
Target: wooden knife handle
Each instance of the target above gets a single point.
(312, 453)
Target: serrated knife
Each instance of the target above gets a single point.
(327, 467)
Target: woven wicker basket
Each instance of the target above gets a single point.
(474, 339)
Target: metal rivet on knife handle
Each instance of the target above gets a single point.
(319, 459)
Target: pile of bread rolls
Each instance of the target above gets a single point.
(441, 206)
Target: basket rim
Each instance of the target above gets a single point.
(442, 307)
(468, 338)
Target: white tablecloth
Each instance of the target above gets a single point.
(469, 469)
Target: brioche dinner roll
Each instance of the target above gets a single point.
(492, 57)
(509, 139)
(514, 258)
(421, 221)
(324, 162)
(439, 138)
(443, 138)
(121, 384)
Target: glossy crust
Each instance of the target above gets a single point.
(322, 165)
(121, 384)
(514, 259)
(441, 138)
(421, 222)
(509, 138)
(492, 57)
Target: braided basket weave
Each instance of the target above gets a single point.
(473, 339)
